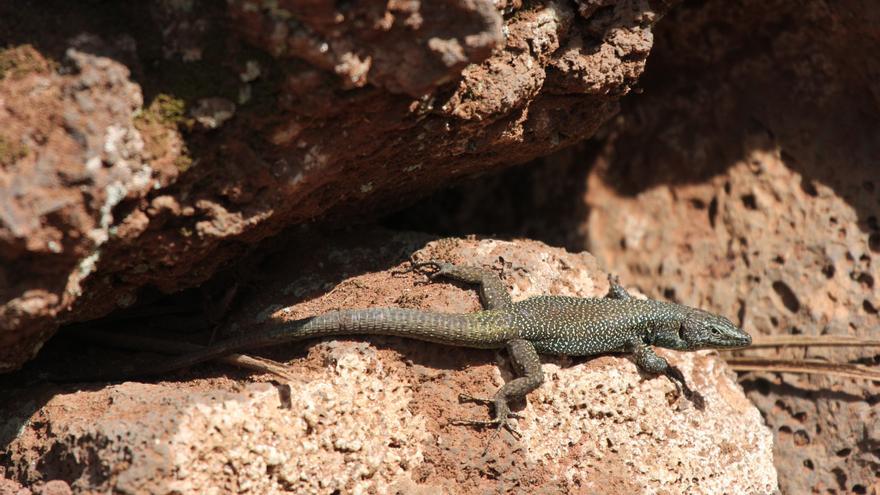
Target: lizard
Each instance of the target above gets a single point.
(554, 325)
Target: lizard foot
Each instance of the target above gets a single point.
(681, 387)
(501, 421)
(485, 400)
(430, 269)
(696, 399)
(478, 400)
(497, 423)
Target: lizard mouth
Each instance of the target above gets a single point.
(740, 341)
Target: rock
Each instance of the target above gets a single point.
(769, 201)
(72, 155)
(9, 487)
(372, 414)
(748, 186)
(211, 113)
(344, 111)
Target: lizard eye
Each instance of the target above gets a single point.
(715, 332)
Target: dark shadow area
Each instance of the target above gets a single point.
(716, 90)
(178, 55)
(540, 200)
(729, 85)
(293, 267)
(49, 25)
(232, 297)
(132, 33)
(765, 387)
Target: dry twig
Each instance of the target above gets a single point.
(146, 344)
(762, 341)
(812, 366)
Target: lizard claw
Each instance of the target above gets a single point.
(615, 290)
(430, 269)
(681, 388)
(484, 400)
(497, 423)
(696, 399)
(478, 400)
(501, 421)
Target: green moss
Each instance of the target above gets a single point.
(166, 114)
(170, 109)
(166, 109)
(183, 162)
(11, 152)
(18, 61)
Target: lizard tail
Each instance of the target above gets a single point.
(478, 330)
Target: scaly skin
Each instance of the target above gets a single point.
(556, 325)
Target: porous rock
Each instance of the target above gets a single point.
(769, 199)
(373, 414)
(258, 115)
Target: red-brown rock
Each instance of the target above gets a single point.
(258, 115)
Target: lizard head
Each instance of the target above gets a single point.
(703, 330)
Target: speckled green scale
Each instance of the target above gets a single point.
(581, 327)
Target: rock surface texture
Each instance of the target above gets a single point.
(148, 143)
(371, 415)
(770, 200)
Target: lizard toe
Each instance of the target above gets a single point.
(470, 398)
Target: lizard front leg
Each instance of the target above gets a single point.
(524, 357)
(527, 364)
(649, 361)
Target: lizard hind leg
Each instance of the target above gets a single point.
(615, 290)
(528, 365)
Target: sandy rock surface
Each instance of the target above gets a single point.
(372, 415)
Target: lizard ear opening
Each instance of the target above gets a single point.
(689, 331)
